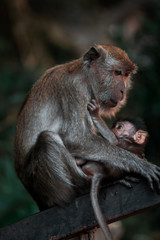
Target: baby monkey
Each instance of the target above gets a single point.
(129, 134)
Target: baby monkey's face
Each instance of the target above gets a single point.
(124, 129)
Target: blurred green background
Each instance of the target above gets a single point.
(35, 35)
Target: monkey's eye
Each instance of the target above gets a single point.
(119, 127)
(126, 74)
(118, 72)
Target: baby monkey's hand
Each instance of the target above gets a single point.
(93, 108)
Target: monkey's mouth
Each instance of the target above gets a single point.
(110, 103)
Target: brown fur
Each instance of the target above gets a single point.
(54, 126)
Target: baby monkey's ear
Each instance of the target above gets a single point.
(140, 136)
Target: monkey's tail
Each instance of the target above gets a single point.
(96, 179)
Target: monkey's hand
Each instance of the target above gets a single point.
(93, 108)
(128, 180)
(124, 182)
(132, 179)
(151, 173)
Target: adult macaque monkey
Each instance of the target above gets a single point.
(54, 126)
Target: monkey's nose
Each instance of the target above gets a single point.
(122, 95)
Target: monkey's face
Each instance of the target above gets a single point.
(123, 129)
(126, 130)
(111, 68)
(116, 82)
(113, 90)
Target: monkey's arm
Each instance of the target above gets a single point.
(97, 149)
(102, 128)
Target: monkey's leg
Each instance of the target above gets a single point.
(51, 171)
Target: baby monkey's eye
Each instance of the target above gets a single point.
(119, 127)
(118, 72)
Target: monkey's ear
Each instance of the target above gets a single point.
(140, 137)
(91, 55)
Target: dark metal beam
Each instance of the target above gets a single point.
(117, 202)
